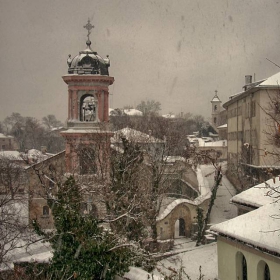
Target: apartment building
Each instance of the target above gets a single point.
(253, 128)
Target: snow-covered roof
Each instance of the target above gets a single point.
(213, 134)
(168, 116)
(258, 195)
(136, 273)
(133, 112)
(85, 130)
(57, 128)
(134, 135)
(216, 99)
(236, 94)
(207, 142)
(173, 205)
(2, 135)
(220, 143)
(5, 136)
(174, 159)
(15, 155)
(274, 80)
(258, 228)
(222, 126)
(205, 193)
(271, 82)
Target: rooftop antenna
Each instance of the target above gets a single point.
(273, 62)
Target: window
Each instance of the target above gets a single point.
(239, 111)
(244, 269)
(247, 110)
(87, 161)
(89, 208)
(266, 272)
(46, 210)
(263, 271)
(88, 108)
(253, 112)
(241, 266)
(51, 183)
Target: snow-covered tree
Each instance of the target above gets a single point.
(149, 107)
(13, 207)
(83, 247)
(50, 121)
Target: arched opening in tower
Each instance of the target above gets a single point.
(87, 108)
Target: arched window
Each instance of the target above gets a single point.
(215, 120)
(215, 107)
(266, 272)
(263, 271)
(244, 268)
(93, 210)
(46, 210)
(88, 208)
(87, 109)
(241, 266)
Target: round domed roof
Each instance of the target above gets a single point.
(88, 62)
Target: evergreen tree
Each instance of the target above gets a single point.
(82, 247)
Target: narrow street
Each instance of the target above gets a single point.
(193, 257)
(222, 209)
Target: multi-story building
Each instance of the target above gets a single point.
(7, 143)
(253, 127)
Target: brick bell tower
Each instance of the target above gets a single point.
(87, 136)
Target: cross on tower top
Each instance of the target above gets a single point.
(88, 27)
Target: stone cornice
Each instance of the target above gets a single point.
(75, 79)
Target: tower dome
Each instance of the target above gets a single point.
(88, 61)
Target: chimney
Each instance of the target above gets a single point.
(248, 80)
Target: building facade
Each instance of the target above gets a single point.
(248, 246)
(7, 143)
(253, 128)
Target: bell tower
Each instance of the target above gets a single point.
(88, 135)
(216, 109)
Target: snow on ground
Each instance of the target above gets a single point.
(38, 251)
(204, 189)
(205, 255)
(191, 259)
(222, 210)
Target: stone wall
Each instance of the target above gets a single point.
(185, 211)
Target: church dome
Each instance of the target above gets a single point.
(88, 62)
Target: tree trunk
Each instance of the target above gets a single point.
(218, 178)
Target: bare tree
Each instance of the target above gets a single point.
(149, 107)
(13, 207)
(50, 121)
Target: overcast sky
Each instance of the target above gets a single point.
(176, 52)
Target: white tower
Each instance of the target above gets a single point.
(216, 109)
